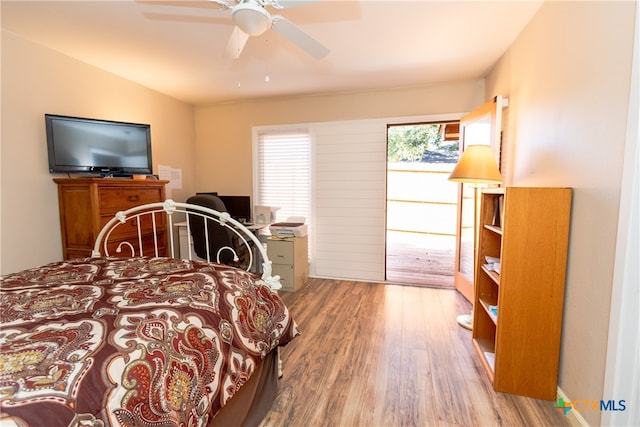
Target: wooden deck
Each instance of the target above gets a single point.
(420, 259)
(421, 224)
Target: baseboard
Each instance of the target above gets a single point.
(574, 417)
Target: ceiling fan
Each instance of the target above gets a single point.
(253, 19)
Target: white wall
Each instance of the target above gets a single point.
(37, 80)
(622, 377)
(567, 77)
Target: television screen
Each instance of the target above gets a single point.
(80, 145)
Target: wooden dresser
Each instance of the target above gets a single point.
(86, 204)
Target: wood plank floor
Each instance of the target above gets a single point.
(374, 354)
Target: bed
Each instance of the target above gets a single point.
(136, 336)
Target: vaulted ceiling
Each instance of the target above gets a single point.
(178, 47)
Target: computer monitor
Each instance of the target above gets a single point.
(239, 207)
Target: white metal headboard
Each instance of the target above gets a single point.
(151, 214)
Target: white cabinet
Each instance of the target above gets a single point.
(289, 260)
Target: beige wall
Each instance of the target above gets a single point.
(568, 80)
(224, 132)
(37, 80)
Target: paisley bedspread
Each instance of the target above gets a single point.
(131, 342)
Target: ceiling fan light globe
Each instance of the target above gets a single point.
(251, 18)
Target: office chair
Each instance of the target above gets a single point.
(219, 236)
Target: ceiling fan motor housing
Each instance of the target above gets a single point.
(251, 18)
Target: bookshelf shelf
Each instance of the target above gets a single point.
(492, 274)
(494, 228)
(485, 305)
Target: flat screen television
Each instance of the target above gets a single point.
(103, 147)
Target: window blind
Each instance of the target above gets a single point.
(284, 173)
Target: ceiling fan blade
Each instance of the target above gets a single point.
(292, 32)
(283, 4)
(236, 43)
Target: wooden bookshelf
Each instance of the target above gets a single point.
(520, 344)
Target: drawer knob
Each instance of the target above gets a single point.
(133, 198)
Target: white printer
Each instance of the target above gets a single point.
(292, 227)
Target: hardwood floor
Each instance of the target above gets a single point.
(372, 354)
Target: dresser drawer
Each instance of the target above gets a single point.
(130, 228)
(148, 246)
(280, 251)
(114, 199)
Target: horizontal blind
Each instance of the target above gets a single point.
(284, 173)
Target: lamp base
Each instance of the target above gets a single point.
(465, 321)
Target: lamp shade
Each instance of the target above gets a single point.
(476, 165)
(251, 18)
